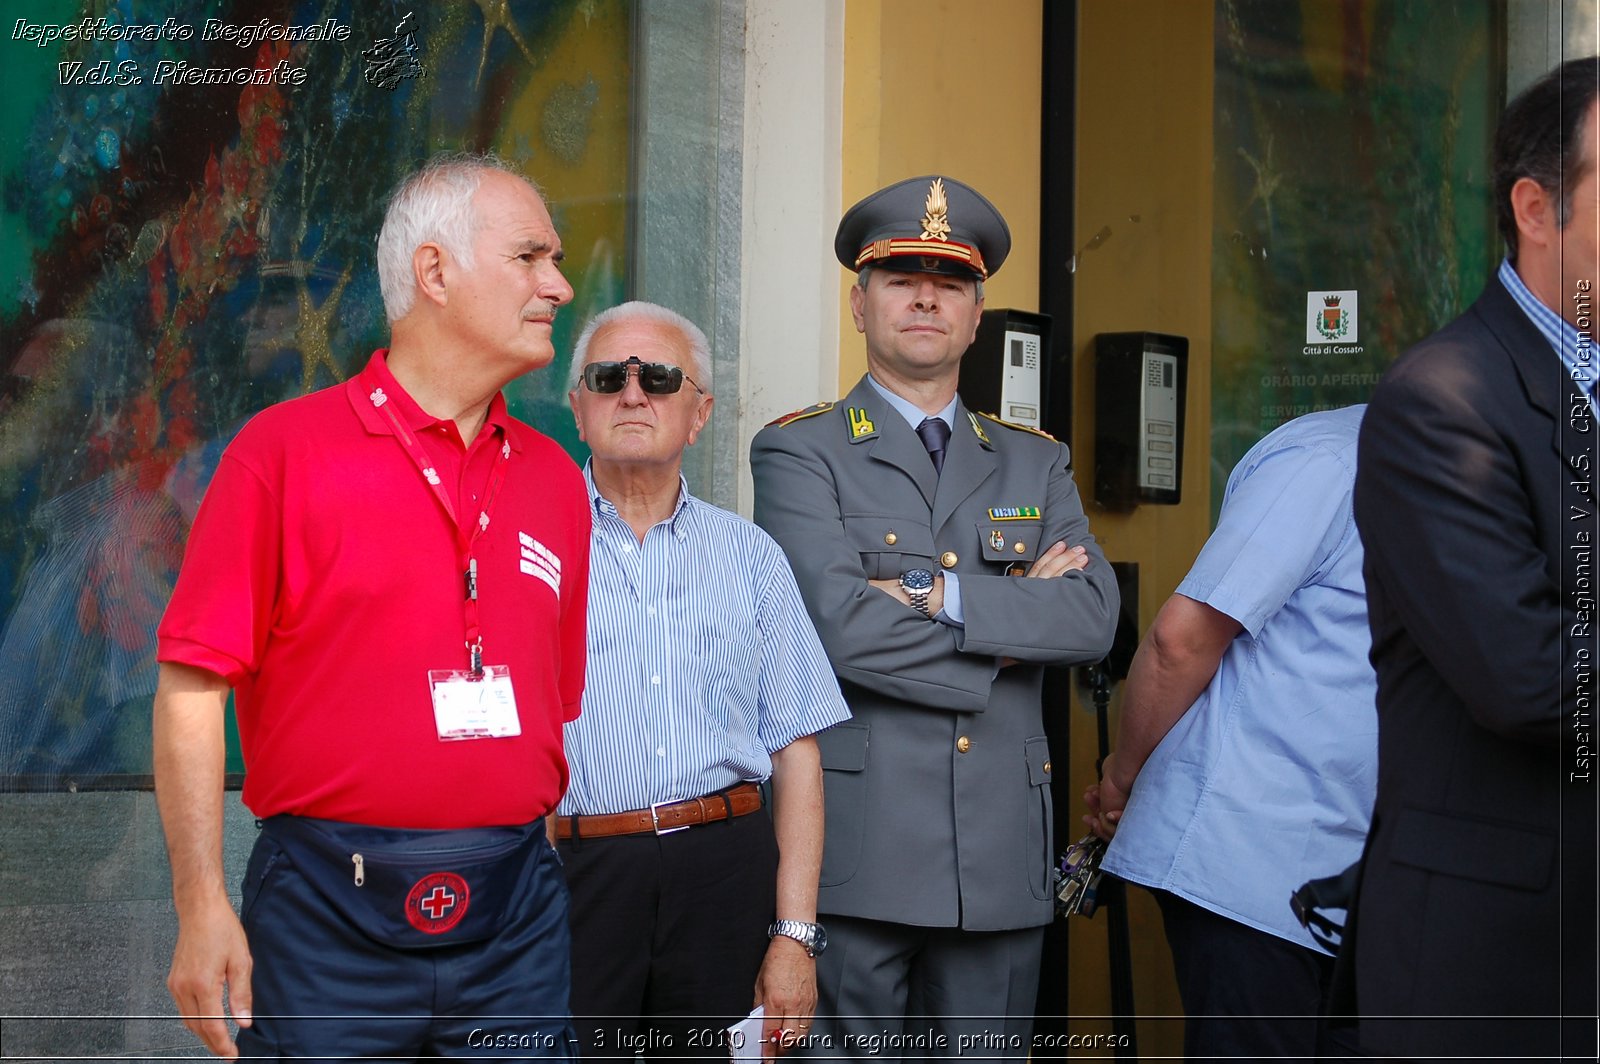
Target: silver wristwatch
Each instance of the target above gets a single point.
(917, 583)
(811, 936)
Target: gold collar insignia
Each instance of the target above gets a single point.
(983, 437)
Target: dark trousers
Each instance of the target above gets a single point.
(325, 990)
(668, 934)
(1247, 995)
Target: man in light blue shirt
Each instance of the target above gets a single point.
(705, 678)
(1246, 754)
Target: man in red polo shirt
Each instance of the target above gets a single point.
(391, 575)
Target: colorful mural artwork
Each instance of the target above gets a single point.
(1352, 214)
(190, 194)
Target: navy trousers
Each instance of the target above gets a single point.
(1247, 995)
(324, 988)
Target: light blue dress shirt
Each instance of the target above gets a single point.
(702, 660)
(1268, 780)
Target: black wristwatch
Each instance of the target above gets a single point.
(917, 583)
(811, 936)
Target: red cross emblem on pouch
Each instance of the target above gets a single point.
(437, 902)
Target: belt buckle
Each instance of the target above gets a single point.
(655, 819)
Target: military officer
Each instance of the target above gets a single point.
(945, 558)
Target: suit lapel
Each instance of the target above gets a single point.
(1550, 387)
(967, 464)
(896, 443)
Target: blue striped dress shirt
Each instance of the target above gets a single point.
(702, 660)
(1575, 348)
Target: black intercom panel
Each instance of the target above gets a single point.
(1140, 387)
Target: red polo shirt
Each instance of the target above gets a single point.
(323, 578)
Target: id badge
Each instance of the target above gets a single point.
(468, 708)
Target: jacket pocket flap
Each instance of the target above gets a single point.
(1485, 850)
(844, 746)
(1010, 541)
(872, 533)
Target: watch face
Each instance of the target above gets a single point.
(819, 939)
(917, 580)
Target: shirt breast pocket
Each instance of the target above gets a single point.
(725, 686)
(890, 545)
(1011, 544)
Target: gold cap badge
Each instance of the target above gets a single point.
(936, 213)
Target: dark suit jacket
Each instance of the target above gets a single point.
(938, 790)
(1476, 505)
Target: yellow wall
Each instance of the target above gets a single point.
(951, 87)
(954, 86)
(1144, 153)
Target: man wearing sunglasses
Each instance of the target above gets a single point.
(945, 558)
(690, 902)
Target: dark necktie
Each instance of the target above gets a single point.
(935, 434)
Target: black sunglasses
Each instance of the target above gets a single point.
(655, 378)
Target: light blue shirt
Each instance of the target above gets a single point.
(702, 660)
(1575, 348)
(950, 613)
(1268, 780)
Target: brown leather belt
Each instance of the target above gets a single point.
(664, 818)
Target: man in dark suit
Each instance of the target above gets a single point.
(1473, 930)
(945, 558)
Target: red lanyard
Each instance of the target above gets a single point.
(466, 538)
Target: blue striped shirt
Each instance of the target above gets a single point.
(1575, 348)
(702, 660)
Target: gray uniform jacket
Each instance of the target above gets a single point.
(938, 791)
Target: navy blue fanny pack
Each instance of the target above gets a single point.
(413, 889)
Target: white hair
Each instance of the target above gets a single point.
(433, 205)
(638, 310)
(866, 271)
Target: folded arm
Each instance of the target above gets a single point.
(876, 640)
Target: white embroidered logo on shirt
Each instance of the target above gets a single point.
(505, 449)
(432, 475)
(377, 397)
(540, 561)
(483, 521)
